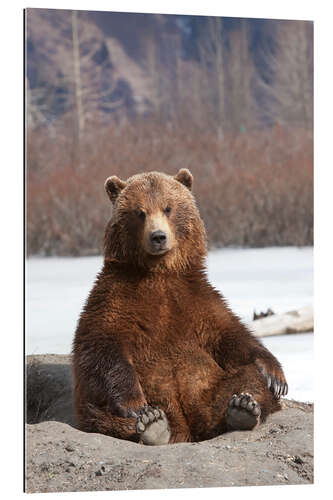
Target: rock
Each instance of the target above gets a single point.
(59, 457)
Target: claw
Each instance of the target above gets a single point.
(157, 413)
(151, 416)
(256, 411)
(145, 419)
(243, 403)
(269, 381)
(236, 402)
(275, 388)
(278, 387)
(140, 427)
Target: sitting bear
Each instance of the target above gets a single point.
(158, 356)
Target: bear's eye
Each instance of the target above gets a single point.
(140, 213)
(167, 211)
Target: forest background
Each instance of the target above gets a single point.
(114, 93)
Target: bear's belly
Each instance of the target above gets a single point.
(167, 377)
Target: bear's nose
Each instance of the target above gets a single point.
(158, 237)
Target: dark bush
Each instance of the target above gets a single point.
(42, 390)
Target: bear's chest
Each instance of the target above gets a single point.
(165, 323)
(161, 315)
(167, 304)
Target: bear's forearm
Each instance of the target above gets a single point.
(109, 375)
(242, 348)
(238, 346)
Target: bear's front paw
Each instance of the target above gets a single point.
(243, 412)
(275, 379)
(152, 426)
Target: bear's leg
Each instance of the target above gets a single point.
(94, 419)
(249, 402)
(148, 426)
(215, 401)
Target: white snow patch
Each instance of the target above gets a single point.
(259, 278)
(295, 353)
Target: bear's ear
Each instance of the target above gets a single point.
(113, 185)
(185, 177)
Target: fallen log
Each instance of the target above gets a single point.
(297, 321)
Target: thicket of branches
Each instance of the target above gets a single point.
(253, 189)
(243, 129)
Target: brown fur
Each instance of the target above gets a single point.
(155, 331)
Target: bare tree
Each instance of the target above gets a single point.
(291, 65)
(78, 107)
(76, 60)
(171, 85)
(36, 105)
(93, 75)
(242, 106)
(193, 98)
(153, 68)
(159, 71)
(212, 60)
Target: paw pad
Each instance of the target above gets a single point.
(152, 426)
(243, 412)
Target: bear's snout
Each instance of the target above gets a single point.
(158, 242)
(158, 238)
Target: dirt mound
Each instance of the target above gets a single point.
(61, 458)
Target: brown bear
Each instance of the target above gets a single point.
(158, 356)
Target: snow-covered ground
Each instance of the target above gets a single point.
(279, 278)
(295, 353)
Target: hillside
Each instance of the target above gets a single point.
(148, 62)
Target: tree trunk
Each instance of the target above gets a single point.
(78, 108)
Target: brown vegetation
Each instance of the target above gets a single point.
(253, 189)
(101, 103)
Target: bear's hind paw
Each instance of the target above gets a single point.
(243, 412)
(152, 426)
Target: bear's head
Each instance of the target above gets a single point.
(155, 222)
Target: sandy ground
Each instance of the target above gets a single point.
(61, 458)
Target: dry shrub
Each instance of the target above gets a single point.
(41, 392)
(253, 189)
